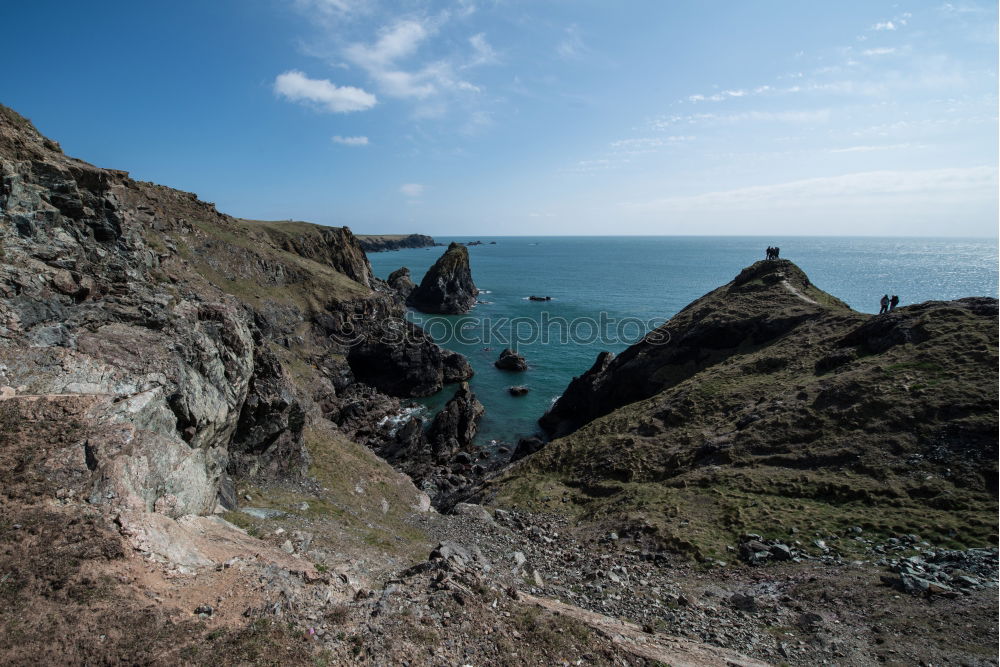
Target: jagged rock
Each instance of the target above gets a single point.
(447, 287)
(455, 367)
(519, 390)
(401, 281)
(456, 425)
(511, 361)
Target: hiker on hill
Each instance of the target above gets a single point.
(777, 251)
(770, 253)
(893, 302)
(884, 302)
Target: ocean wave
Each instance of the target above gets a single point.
(392, 423)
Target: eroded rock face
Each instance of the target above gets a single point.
(447, 287)
(178, 322)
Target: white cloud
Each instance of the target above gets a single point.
(880, 51)
(725, 95)
(814, 116)
(400, 41)
(868, 149)
(411, 189)
(884, 25)
(934, 185)
(333, 9)
(571, 46)
(297, 87)
(483, 52)
(349, 141)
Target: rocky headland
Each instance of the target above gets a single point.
(387, 242)
(447, 287)
(770, 407)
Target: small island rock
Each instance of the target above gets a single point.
(511, 361)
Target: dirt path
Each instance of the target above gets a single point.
(788, 286)
(651, 646)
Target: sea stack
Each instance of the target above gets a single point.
(447, 288)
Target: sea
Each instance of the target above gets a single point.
(607, 291)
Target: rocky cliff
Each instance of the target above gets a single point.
(385, 242)
(769, 407)
(195, 346)
(447, 287)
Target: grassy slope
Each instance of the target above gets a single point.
(761, 442)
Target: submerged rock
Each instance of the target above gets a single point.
(519, 390)
(447, 287)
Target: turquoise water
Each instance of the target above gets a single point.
(639, 282)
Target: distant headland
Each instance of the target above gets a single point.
(384, 242)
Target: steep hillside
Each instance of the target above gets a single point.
(769, 407)
(161, 362)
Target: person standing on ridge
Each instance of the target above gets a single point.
(893, 302)
(884, 302)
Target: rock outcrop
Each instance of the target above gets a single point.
(510, 360)
(447, 287)
(443, 459)
(401, 282)
(386, 242)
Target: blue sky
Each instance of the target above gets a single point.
(501, 117)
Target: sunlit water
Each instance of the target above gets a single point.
(642, 281)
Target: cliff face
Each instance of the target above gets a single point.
(385, 242)
(769, 407)
(447, 287)
(192, 345)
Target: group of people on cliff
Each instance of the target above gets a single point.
(772, 253)
(888, 303)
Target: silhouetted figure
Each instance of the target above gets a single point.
(893, 302)
(884, 302)
(777, 251)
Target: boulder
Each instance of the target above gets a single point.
(525, 447)
(511, 361)
(447, 287)
(519, 390)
